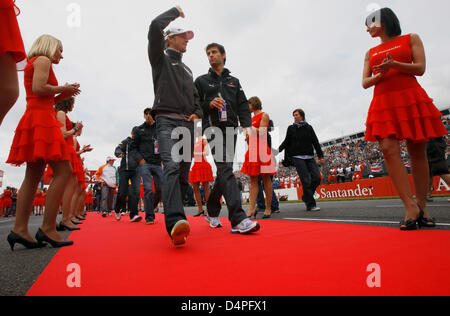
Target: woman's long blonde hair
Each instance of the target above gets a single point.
(45, 45)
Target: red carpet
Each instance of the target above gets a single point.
(283, 259)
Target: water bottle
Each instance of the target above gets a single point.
(223, 113)
(156, 147)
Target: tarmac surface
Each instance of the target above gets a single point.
(21, 268)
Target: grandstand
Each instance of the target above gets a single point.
(348, 153)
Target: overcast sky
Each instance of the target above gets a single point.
(291, 54)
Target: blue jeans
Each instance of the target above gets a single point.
(98, 198)
(148, 173)
(261, 202)
(176, 172)
(309, 174)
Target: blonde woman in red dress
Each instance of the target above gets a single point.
(12, 56)
(259, 160)
(401, 111)
(201, 173)
(38, 141)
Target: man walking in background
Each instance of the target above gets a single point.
(107, 174)
(300, 143)
(128, 172)
(149, 160)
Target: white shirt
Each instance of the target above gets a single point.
(109, 175)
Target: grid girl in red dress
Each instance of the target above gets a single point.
(38, 141)
(401, 110)
(259, 160)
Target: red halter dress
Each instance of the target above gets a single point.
(10, 37)
(38, 135)
(201, 171)
(400, 107)
(258, 160)
(71, 149)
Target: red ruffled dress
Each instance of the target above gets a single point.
(8, 199)
(38, 135)
(74, 159)
(400, 107)
(10, 37)
(89, 198)
(40, 200)
(80, 170)
(255, 164)
(201, 171)
(48, 175)
(5, 200)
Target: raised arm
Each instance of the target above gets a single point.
(156, 33)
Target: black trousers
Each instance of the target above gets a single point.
(131, 191)
(226, 183)
(309, 174)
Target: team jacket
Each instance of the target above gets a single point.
(209, 86)
(144, 143)
(110, 178)
(173, 81)
(129, 156)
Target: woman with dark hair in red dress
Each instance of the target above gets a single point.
(69, 131)
(259, 160)
(401, 111)
(38, 141)
(12, 56)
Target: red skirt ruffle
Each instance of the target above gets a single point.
(407, 114)
(201, 172)
(38, 137)
(6, 202)
(89, 199)
(257, 167)
(10, 37)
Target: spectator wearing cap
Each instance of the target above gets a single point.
(108, 175)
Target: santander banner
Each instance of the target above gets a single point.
(368, 188)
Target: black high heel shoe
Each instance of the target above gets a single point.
(200, 214)
(253, 216)
(410, 224)
(63, 227)
(13, 239)
(267, 216)
(41, 237)
(425, 222)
